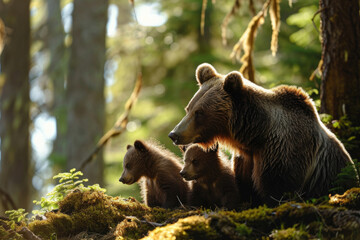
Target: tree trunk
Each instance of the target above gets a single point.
(85, 87)
(15, 174)
(340, 87)
(57, 74)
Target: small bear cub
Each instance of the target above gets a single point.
(213, 181)
(157, 171)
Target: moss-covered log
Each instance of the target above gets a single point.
(95, 215)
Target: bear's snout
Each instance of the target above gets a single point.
(183, 173)
(174, 137)
(121, 179)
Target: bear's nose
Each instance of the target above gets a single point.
(121, 180)
(174, 137)
(182, 173)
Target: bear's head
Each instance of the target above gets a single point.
(198, 161)
(133, 163)
(209, 112)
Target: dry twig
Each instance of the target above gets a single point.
(246, 43)
(274, 11)
(120, 125)
(227, 18)
(203, 10)
(6, 200)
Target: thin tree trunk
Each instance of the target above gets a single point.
(57, 74)
(340, 88)
(85, 88)
(15, 174)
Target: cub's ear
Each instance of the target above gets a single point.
(183, 148)
(215, 148)
(139, 145)
(205, 72)
(128, 146)
(233, 82)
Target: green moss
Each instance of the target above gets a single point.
(6, 231)
(194, 227)
(258, 218)
(290, 234)
(42, 228)
(132, 228)
(62, 223)
(228, 227)
(93, 212)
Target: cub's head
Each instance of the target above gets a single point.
(197, 162)
(209, 112)
(133, 163)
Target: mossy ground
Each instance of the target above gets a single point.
(95, 215)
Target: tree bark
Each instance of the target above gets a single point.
(340, 87)
(57, 73)
(15, 177)
(85, 87)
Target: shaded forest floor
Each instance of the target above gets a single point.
(95, 215)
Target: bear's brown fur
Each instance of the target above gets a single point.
(157, 171)
(277, 131)
(213, 181)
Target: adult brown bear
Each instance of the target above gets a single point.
(277, 132)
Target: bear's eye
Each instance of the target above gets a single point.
(127, 166)
(194, 161)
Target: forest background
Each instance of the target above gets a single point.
(68, 68)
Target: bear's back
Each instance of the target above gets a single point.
(295, 100)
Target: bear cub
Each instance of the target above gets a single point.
(157, 171)
(213, 181)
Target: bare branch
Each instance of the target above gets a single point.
(275, 22)
(246, 43)
(2, 35)
(7, 200)
(313, 18)
(203, 10)
(252, 7)
(227, 18)
(120, 125)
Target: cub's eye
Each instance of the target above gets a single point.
(195, 161)
(127, 166)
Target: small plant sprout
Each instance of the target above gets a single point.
(68, 181)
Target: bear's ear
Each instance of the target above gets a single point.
(205, 72)
(233, 82)
(128, 146)
(139, 145)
